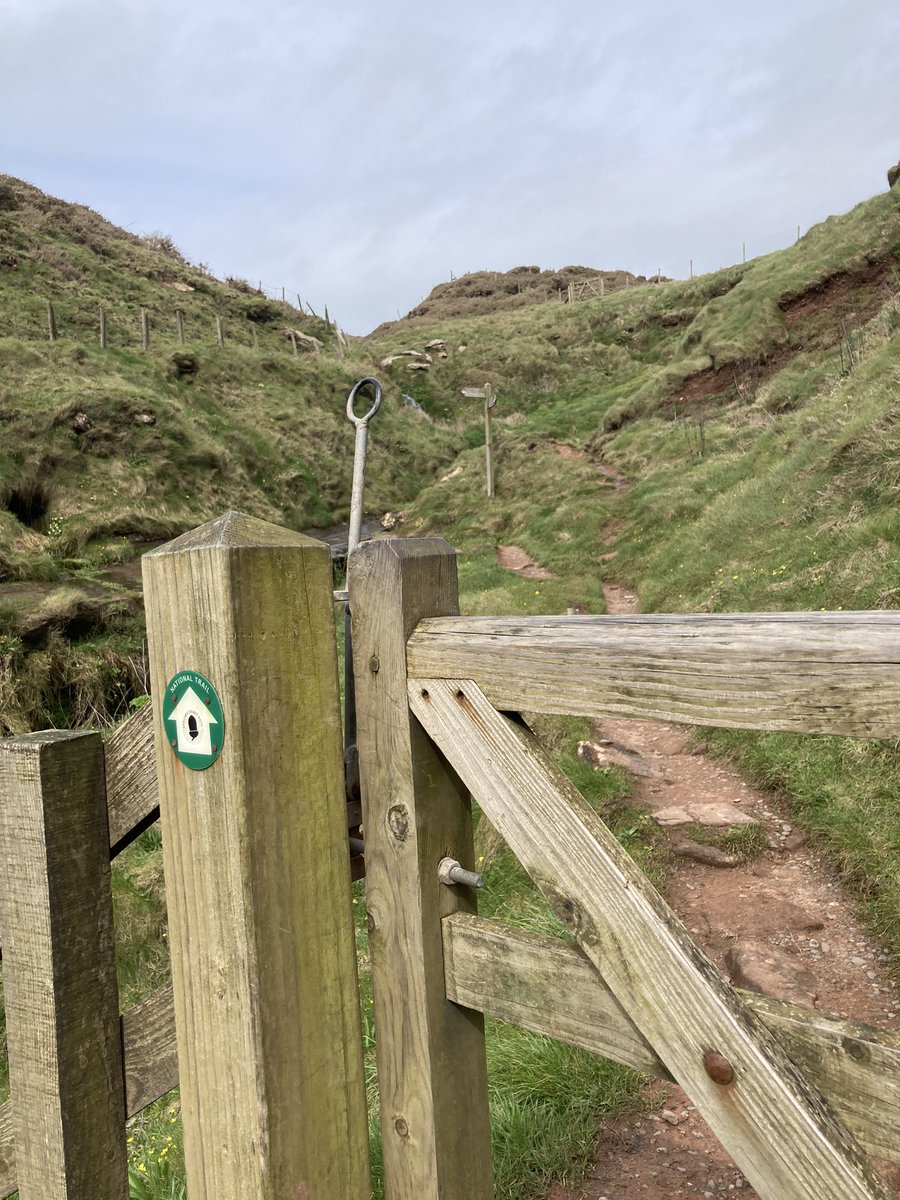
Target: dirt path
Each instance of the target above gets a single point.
(780, 924)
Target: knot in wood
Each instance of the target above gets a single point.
(401, 1127)
(717, 1067)
(374, 664)
(398, 820)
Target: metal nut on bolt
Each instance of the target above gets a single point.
(450, 872)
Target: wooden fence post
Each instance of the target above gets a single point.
(59, 967)
(489, 401)
(103, 336)
(179, 321)
(431, 1061)
(51, 322)
(145, 329)
(257, 869)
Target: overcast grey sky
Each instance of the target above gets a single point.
(360, 152)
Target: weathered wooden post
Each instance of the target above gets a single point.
(179, 322)
(490, 399)
(249, 759)
(103, 335)
(431, 1062)
(220, 332)
(145, 329)
(59, 970)
(51, 322)
(489, 396)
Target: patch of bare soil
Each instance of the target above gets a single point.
(859, 294)
(514, 558)
(781, 925)
(862, 292)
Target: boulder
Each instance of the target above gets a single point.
(771, 972)
(305, 341)
(893, 174)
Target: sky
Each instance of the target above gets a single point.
(360, 153)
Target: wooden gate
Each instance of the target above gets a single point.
(793, 1095)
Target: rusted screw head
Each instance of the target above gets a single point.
(717, 1067)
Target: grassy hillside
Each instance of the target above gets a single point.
(754, 414)
(106, 450)
(725, 443)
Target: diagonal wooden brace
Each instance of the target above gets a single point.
(775, 1124)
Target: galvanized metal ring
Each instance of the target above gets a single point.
(357, 388)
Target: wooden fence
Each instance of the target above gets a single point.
(794, 1095)
(263, 1006)
(145, 328)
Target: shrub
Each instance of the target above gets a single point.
(163, 244)
(9, 201)
(262, 312)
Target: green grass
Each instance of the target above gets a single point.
(777, 492)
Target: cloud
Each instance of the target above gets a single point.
(358, 153)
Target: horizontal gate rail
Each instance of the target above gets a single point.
(548, 986)
(831, 673)
(771, 1119)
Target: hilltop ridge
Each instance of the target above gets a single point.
(479, 293)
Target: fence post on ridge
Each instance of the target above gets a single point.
(431, 1059)
(257, 863)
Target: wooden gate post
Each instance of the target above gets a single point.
(59, 966)
(431, 1062)
(257, 868)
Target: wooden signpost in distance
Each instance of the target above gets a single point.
(489, 396)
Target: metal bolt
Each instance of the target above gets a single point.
(717, 1067)
(450, 872)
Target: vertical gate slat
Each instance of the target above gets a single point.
(431, 1059)
(60, 991)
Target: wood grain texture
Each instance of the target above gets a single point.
(8, 1183)
(431, 1060)
(835, 673)
(59, 967)
(257, 870)
(773, 1122)
(151, 1070)
(131, 791)
(151, 1056)
(551, 987)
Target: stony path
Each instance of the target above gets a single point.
(781, 924)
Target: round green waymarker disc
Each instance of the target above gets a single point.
(192, 719)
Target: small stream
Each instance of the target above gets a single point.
(337, 535)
